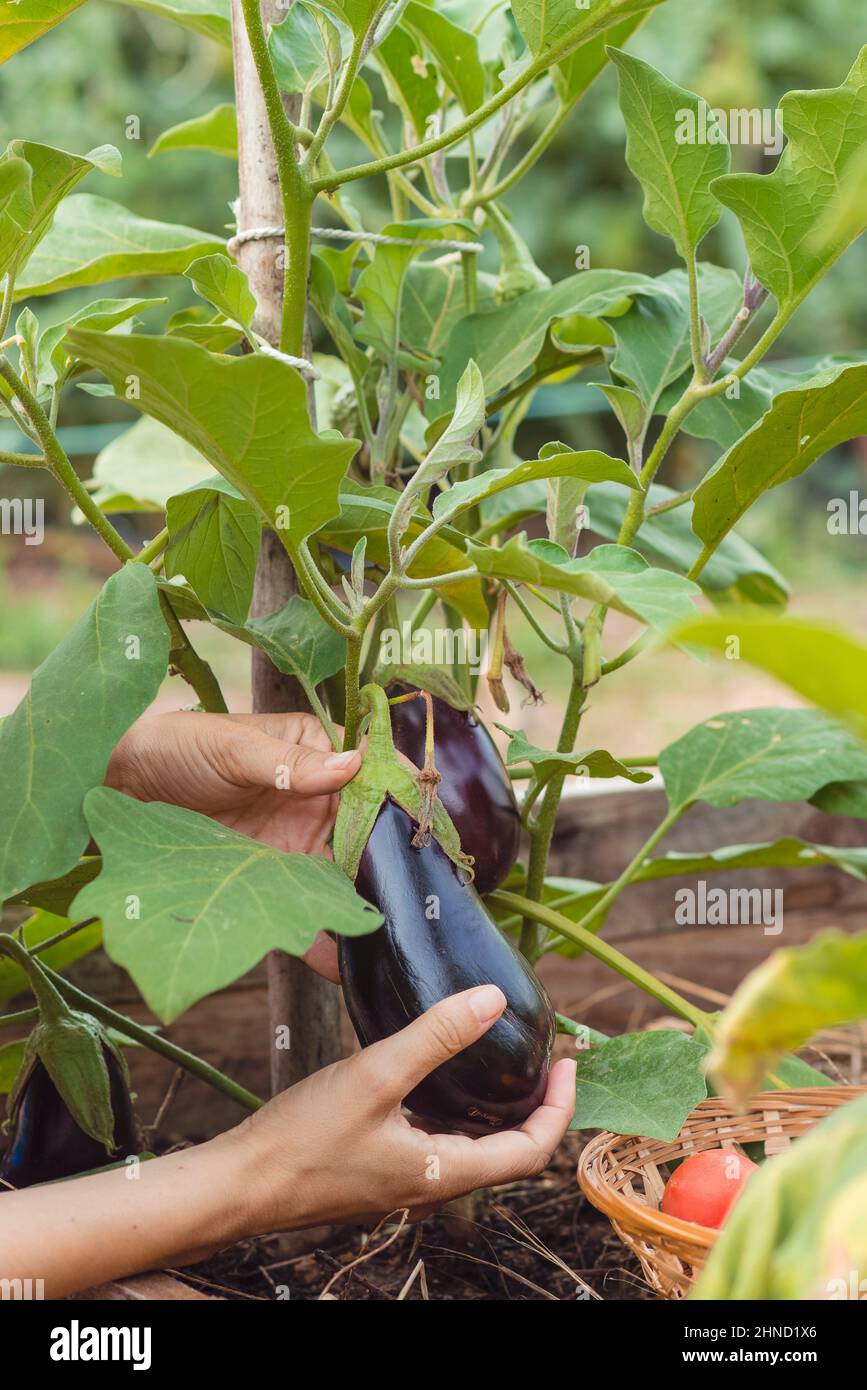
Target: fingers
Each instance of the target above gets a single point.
(526, 1152)
(407, 1058)
(260, 760)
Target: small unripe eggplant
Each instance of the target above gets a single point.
(438, 940)
(47, 1144)
(475, 787)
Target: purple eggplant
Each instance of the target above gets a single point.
(475, 787)
(47, 1144)
(438, 940)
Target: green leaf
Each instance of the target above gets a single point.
(224, 284)
(778, 854)
(55, 894)
(589, 466)
(380, 285)
(823, 663)
(189, 907)
(246, 415)
(298, 642)
(214, 543)
(11, 1053)
(800, 427)
(846, 217)
(41, 926)
(761, 755)
(736, 572)
(56, 744)
(142, 468)
(784, 1002)
(653, 342)
(93, 240)
(216, 132)
(547, 764)
(410, 81)
(612, 575)
(640, 1083)
(843, 799)
(781, 212)
(101, 314)
(574, 75)
(297, 48)
(674, 172)
(544, 23)
(797, 1231)
(506, 341)
(433, 305)
(20, 26)
(211, 18)
(31, 202)
(456, 51)
(358, 14)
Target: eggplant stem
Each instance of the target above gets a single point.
(428, 778)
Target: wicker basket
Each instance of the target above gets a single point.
(621, 1175)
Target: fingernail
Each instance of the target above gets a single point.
(487, 1002)
(341, 759)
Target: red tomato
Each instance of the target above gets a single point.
(705, 1186)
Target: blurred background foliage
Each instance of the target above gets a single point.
(120, 75)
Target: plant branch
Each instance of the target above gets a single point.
(188, 664)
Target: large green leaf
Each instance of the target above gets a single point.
(544, 23)
(800, 427)
(214, 543)
(20, 24)
(456, 51)
(612, 575)
(26, 213)
(216, 131)
(93, 240)
(211, 18)
(781, 212)
(189, 906)
(798, 1230)
(640, 1083)
(506, 341)
(588, 467)
(410, 81)
(653, 341)
(675, 173)
(760, 754)
(247, 415)
(784, 1002)
(56, 744)
(736, 571)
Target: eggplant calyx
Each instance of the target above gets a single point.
(384, 776)
(72, 1046)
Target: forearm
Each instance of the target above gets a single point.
(76, 1234)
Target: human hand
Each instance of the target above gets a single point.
(336, 1147)
(273, 777)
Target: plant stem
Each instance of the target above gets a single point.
(599, 911)
(187, 662)
(195, 1065)
(60, 465)
(353, 702)
(154, 548)
(536, 150)
(542, 829)
(514, 593)
(579, 35)
(609, 955)
(629, 654)
(333, 112)
(61, 935)
(23, 460)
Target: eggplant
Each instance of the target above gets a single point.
(475, 787)
(437, 940)
(46, 1144)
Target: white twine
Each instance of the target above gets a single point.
(344, 234)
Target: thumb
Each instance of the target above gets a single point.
(445, 1030)
(295, 767)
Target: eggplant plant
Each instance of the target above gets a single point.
(388, 468)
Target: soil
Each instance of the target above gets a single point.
(533, 1241)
